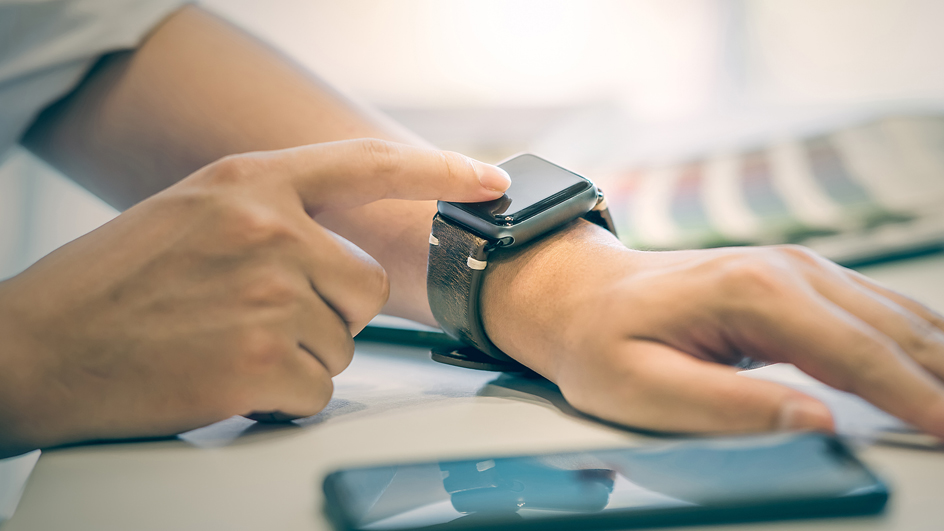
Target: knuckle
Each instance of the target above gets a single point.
(381, 156)
(261, 350)
(345, 354)
(331, 344)
(753, 277)
(187, 200)
(923, 343)
(374, 293)
(272, 288)
(218, 183)
(231, 169)
(379, 283)
(318, 392)
(799, 253)
(252, 224)
(322, 395)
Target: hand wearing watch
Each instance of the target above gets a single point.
(541, 198)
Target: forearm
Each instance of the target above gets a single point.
(631, 337)
(199, 89)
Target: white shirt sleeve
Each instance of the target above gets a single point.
(47, 46)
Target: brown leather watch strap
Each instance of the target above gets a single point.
(457, 262)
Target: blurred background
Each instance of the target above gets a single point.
(708, 122)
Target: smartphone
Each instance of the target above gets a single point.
(681, 482)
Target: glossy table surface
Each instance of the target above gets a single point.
(392, 404)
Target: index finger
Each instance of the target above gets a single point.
(654, 386)
(350, 173)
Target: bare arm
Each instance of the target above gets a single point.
(200, 89)
(637, 338)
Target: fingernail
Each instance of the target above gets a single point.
(804, 415)
(491, 177)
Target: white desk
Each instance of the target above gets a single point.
(392, 404)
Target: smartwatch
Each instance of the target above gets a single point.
(541, 198)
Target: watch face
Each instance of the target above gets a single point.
(536, 185)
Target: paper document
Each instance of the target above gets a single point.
(854, 416)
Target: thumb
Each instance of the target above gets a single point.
(356, 172)
(669, 390)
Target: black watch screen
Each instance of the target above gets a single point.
(542, 196)
(536, 185)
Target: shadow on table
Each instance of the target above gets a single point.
(539, 391)
(381, 383)
(530, 389)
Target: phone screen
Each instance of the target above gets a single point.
(535, 185)
(688, 481)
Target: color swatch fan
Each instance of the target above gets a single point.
(856, 195)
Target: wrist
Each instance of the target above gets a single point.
(535, 298)
(29, 419)
(14, 375)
